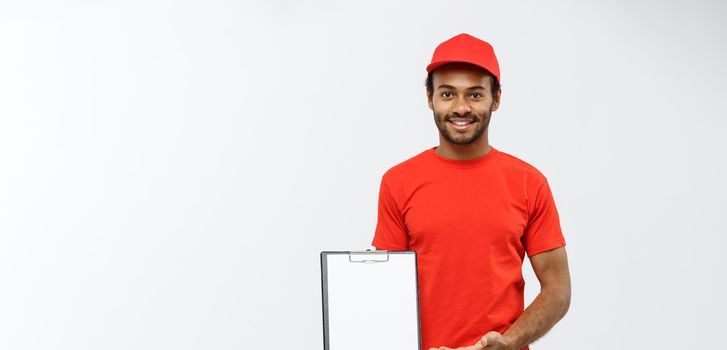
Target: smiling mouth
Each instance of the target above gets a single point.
(461, 124)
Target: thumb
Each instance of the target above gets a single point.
(489, 339)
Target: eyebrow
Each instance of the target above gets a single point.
(445, 86)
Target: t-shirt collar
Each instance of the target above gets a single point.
(464, 163)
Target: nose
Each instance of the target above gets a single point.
(461, 106)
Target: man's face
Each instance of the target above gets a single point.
(462, 102)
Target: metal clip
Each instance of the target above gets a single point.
(368, 256)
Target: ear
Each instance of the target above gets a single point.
(429, 101)
(496, 100)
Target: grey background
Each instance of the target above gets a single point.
(170, 171)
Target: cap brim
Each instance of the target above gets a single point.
(434, 65)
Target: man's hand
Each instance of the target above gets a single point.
(490, 341)
(493, 341)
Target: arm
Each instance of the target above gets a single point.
(551, 268)
(391, 232)
(551, 304)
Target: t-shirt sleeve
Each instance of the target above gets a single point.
(543, 231)
(391, 232)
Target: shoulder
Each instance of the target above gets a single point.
(407, 168)
(516, 168)
(516, 164)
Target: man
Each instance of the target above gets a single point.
(472, 212)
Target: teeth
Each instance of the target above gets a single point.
(461, 123)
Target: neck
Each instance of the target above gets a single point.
(454, 151)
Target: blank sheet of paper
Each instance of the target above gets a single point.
(370, 300)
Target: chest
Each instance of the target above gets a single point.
(465, 210)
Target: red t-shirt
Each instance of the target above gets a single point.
(471, 223)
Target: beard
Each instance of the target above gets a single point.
(481, 122)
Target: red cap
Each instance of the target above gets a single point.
(468, 49)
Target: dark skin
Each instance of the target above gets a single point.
(463, 92)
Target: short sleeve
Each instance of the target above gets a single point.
(391, 232)
(543, 231)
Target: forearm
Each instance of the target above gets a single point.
(541, 315)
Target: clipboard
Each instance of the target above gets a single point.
(370, 300)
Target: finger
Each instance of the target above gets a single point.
(484, 341)
(493, 338)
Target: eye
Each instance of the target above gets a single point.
(446, 94)
(476, 95)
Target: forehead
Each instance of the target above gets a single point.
(461, 75)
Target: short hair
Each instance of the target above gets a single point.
(430, 85)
